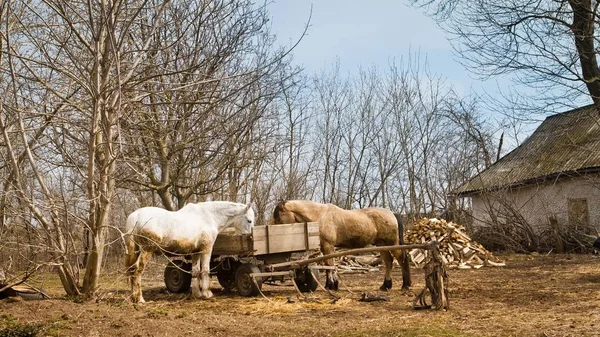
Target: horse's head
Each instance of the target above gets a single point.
(286, 212)
(281, 215)
(244, 222)
(286, 217)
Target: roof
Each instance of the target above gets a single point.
(564, 143)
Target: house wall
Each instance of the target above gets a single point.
(536, 203)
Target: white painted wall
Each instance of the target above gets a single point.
(536, 203)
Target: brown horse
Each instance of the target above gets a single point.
(350, 229)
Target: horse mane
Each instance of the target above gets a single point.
(279, 208)
(221, 205)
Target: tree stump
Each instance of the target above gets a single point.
(436, 283)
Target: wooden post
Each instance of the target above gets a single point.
(306, 236)
(267, 239)
(436, 283)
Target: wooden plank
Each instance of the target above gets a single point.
(270, 239)
(287, 238)
(233, 244)
(306, 236)
(260, 247)
(273, 273)
(286, 229)
(314, 242)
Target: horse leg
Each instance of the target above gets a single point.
(131, 267)
(136, 278)
(402, 258)
(201, 276)
(206, 293)
(388, 262)
(195, 275)
(331, 282)
(132, 254)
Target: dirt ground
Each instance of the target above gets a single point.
(534, 295)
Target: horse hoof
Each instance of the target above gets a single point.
(135, 299)
(332, 285)
(387, 285)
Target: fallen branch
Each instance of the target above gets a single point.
(367, 297)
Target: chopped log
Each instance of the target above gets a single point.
(353, 269)
(495, 264)
(457, 249)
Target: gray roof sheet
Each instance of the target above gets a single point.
(564, 143)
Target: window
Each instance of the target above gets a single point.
(578, 213)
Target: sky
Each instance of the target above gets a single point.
(376, 33)
(364, 34)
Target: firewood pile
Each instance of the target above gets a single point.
(349, 264)
(457, 249)
(358, 263)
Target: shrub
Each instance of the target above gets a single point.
(21, 330)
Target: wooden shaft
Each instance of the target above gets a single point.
(274, 273)
(299, 263)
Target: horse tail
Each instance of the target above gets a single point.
(405, 263)
(278, 210)
(400, 228)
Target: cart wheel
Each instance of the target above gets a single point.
(178, 276)
(305, 281)
(226, 276)
(226, 279)
(243, 281)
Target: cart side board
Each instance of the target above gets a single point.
(270, 239)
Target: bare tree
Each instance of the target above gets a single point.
(550, 46)
(387, 140)
(294, 160)
(215, 72)
(151, 96)
(412, 97)
(333, 98)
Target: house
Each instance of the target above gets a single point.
(551, 180)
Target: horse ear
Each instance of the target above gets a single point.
(250, 205)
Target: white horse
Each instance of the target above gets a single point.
(190, 231)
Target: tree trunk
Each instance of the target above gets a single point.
(583, 31)
(68, 281)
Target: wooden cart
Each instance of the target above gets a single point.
(244, 262)
(240, 261)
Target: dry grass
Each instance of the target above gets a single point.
(555, 295)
